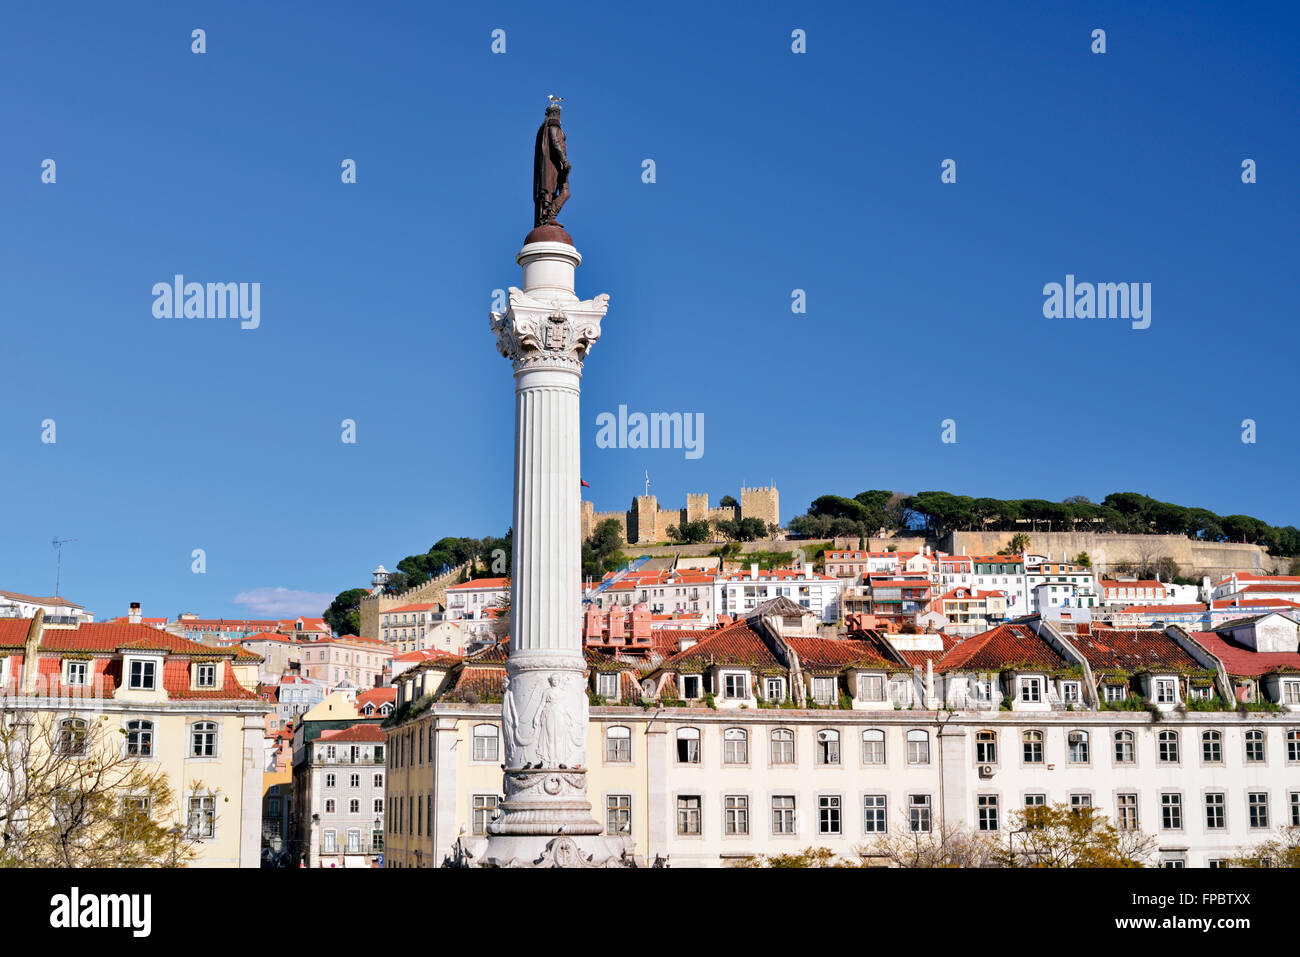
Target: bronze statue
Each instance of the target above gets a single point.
(550, 169)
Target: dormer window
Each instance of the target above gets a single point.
(1070, 692)
(1031, 690)
(142, 675)
(690, 687)
(205, 674)
(1166, 691)
(76, 672)
(735, 685)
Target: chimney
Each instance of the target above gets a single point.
(807, 570)
(134, 616)
(31, 653)
(753, 570)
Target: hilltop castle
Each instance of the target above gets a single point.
(646, 522)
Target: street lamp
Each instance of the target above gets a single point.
(1011, 854)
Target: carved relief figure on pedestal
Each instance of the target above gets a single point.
(518, 740)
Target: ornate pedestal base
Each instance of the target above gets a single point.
(546, 821)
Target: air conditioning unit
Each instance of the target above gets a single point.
(987, 770)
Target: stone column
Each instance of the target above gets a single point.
(546, 332)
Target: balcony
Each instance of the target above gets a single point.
(344, 760)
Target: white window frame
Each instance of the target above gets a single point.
(154, 666)
(607, 685)
(1031, 689)
(80, 664)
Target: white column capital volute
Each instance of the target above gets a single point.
(542, 333)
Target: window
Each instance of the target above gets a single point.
(1031, 690)
(1173, 863)
(1035, 800)
(1070, 691)
(774, 689)
(1166, 691)
(688, 746)
(329, 780)
(783, 814)
(618, 814)
(1115, 692)
(918, 747)
(329, 805)
(202, 817)
(871, 687)
(354, 806)
(688, 815)
(77, 671)
(1078, 747)
(203, 739)
(828, 814)
(618, 745)
(142, 675)
(918, 813)
(988, 812)
(135, 808)
(1171, 812)
(828, 747)
(986, 747)
(1033, 747)
(1167, 747)
(1291, 692)
(824, 690)
(328, 843)
(73, 736)
(1212, 747)
(1124, 747)
(607, 685)
(735, 746)
(139, 739)
(354, 781)
(1126, 812)
(1214, 812)
(1257, 805)
(873, 814)
(735, 685)
(690, 686)
(483, 810)
(354, 840)
(1255, 747)
(485, 742)
(379, 806)
(1295, 808)
(379, 780)
(205, 675)
(873, 746)
(1293, 745)
(782, 746)
(735, 814)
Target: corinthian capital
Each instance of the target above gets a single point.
(537, 333)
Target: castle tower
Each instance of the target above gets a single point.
(761, 503)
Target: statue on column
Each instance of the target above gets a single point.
(550, 169)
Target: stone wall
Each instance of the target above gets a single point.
(646, 522)
(1108, 550)
(435, 589)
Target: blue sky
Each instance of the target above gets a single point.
(775, 171)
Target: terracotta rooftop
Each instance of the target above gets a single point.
(1131, 649)
(1246, 662)
(1008, 644)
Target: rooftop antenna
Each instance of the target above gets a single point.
(58, 544)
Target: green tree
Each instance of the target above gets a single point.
(1282, 850)
(1059, 836)
(344, 613)
(728, 502)
(601, 552)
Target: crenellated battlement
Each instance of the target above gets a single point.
(645, 521)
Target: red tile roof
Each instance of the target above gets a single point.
(496, 584)
(1128, 649)
(357, 734)
(1246, 662)
(38, 600)
(736, 644)
(425, 606)
(1009, 644)
(836, 653)
(377, 696)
